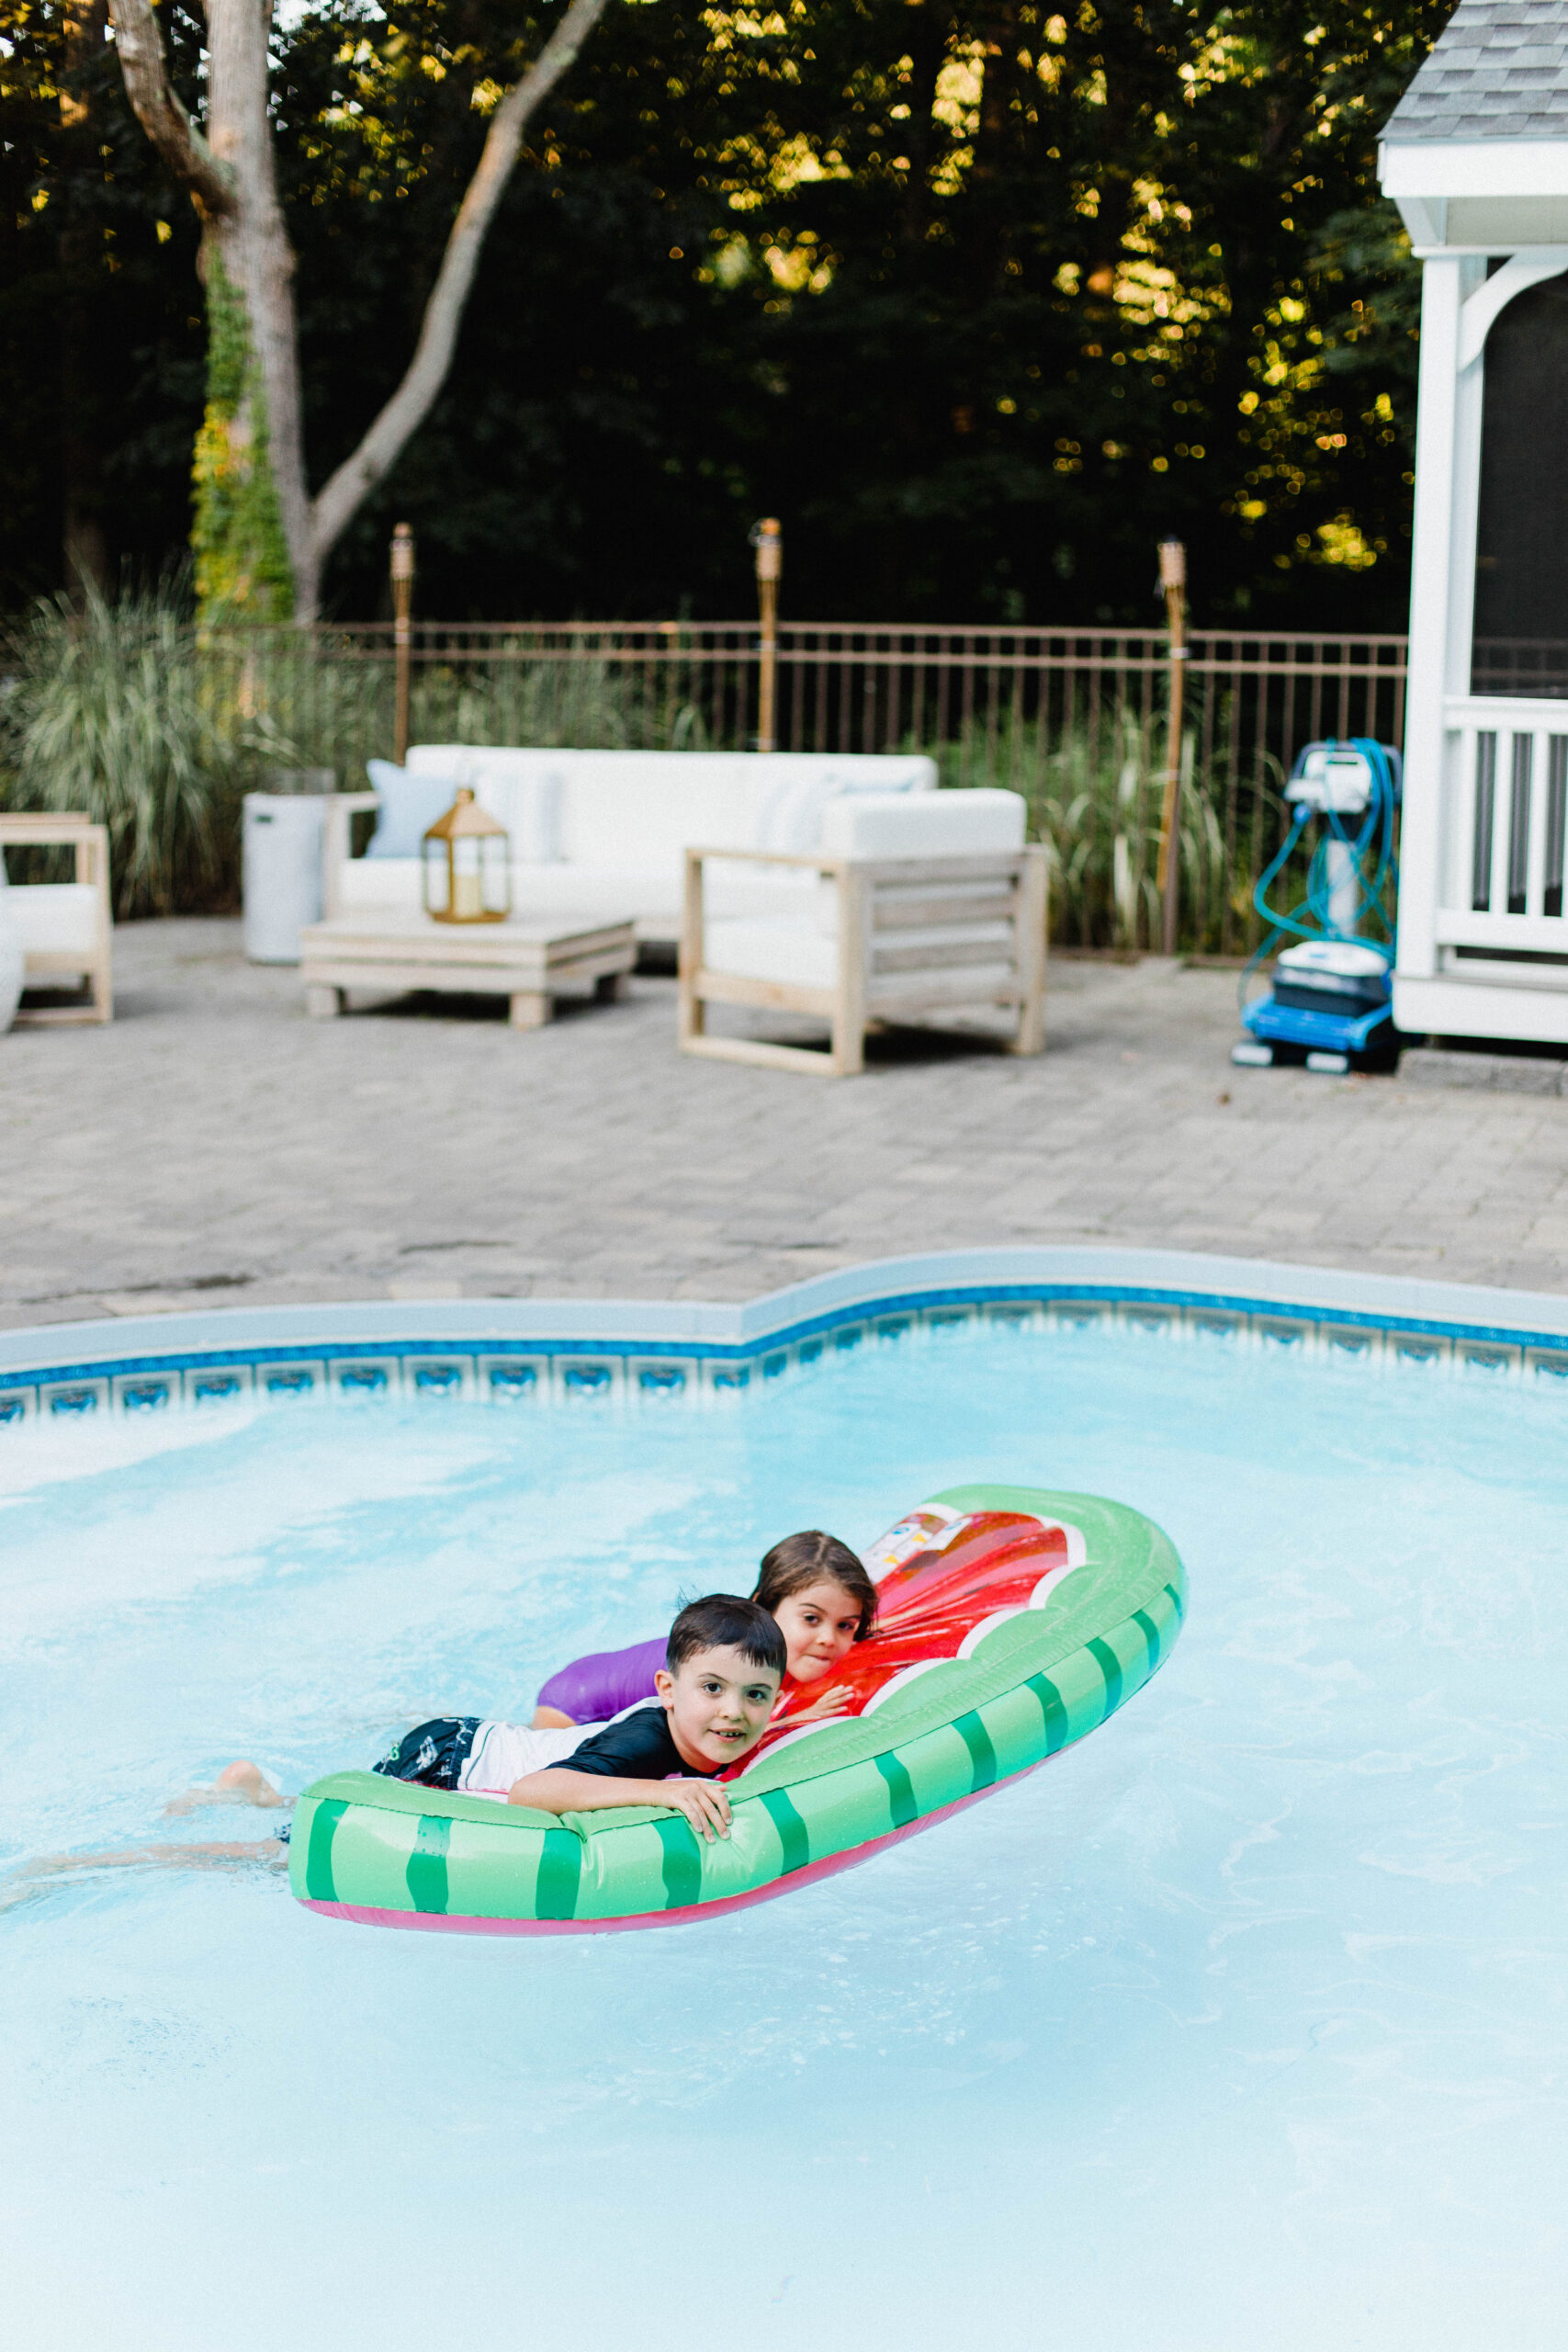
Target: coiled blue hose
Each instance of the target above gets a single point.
(1310, 917)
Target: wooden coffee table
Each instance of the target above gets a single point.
(396, 949)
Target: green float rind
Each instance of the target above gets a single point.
(1040, 1681)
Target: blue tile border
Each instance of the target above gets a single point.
(589, 1352)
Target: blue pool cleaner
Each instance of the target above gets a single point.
(1333, 994)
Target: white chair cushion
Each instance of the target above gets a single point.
(935, 824)
(55, 918)
(796, 954)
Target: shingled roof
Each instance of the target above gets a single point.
(1500, 71)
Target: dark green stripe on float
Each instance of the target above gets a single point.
(1110, 1665)
(560, 1869)
(982, 1755)
(426, 1872)
(792, 1830)
(319, 1884)
(682, 1862)
(1177, 1604)
(1151, 1634)
(900, 1791)
(1051, 1709)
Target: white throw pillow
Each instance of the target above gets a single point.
(792, 817)
(528, 806)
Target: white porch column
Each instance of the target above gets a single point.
(1421, 843)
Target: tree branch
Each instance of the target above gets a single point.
(412, 402)
(159, 111)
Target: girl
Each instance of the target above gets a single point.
(815, 1587)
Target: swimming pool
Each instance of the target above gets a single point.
(1237, 2024)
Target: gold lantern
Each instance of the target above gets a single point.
(466, 871)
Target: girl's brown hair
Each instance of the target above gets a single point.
(811, 1558)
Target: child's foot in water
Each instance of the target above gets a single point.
(238, 1783)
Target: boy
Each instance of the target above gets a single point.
(723, 1666)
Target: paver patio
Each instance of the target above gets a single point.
(214, 1147)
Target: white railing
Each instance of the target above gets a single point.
(1504, 806)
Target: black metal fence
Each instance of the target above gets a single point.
(1073, 717)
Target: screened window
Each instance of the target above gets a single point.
(1520, 644)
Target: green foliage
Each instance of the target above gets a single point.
(101, 332)
(108, 710)
(230, 372)
(981, 301)
(241, 560)
(315, 703)
(586, 702)
(127, 711)
(1095, 797)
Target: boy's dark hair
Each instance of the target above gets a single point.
(722, 1620)
(797, 1562)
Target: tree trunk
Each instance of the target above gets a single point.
(82, 532)
(260, 543)
(250, 534)
(247, 249)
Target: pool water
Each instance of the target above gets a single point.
(1240, 2024)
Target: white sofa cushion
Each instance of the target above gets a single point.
(624, 820)
(603, 893)
(628, 808)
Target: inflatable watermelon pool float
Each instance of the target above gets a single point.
(1012, 1621)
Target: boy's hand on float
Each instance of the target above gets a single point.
(705, 1806)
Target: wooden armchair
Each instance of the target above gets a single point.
(65, 926)
(959, 922)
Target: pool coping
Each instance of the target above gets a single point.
(1179, 1283)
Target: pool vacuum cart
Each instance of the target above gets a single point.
(1332, 999)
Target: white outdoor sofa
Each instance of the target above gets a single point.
(64, 927)
(912, 909)
(604, 834)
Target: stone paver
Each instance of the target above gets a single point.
(213, 1147)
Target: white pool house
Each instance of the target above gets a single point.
(1476, 157)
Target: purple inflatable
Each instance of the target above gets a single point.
(591, 1690)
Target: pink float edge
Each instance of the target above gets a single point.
(368, 1915)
